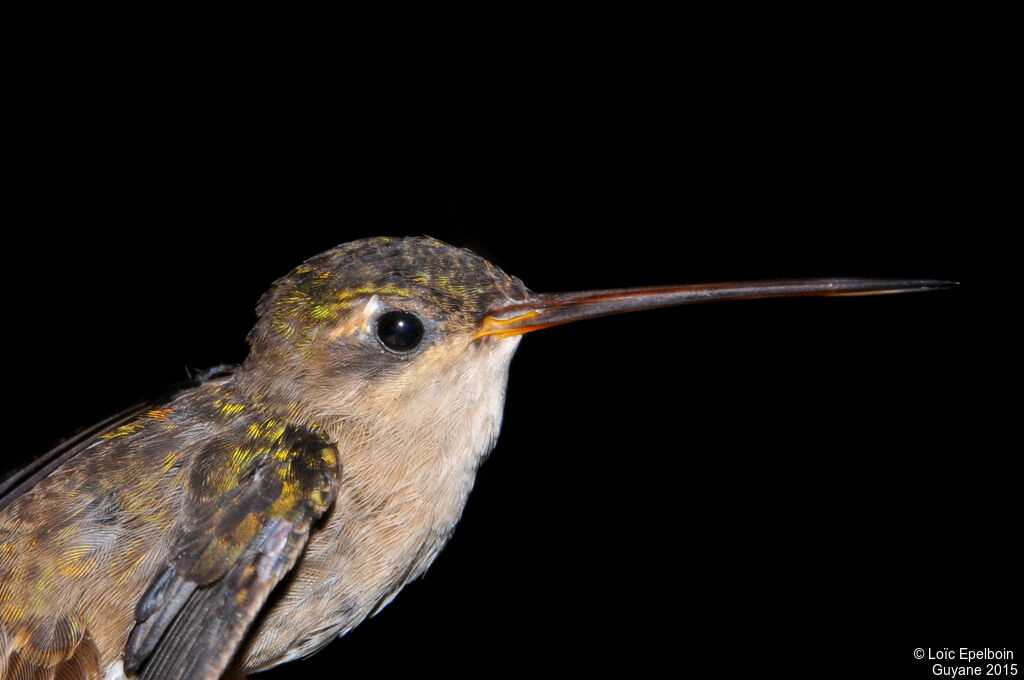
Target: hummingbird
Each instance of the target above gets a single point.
(271, 507)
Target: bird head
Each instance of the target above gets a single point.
(405, 326)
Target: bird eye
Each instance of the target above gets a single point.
(399, 331)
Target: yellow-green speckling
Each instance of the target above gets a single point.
(228, 408)
(456, 285)
(158, 414)
(269, 429)
(124, 430)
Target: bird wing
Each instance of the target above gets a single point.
(249, 508)
(38, 636)
(21, 481)
(24, 479)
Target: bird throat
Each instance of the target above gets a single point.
(408, 496)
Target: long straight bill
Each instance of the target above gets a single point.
(546, 310)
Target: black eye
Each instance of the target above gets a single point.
(399, 331)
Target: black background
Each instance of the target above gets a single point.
(822, 484)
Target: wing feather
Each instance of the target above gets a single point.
(27, 477)
(241, 541)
